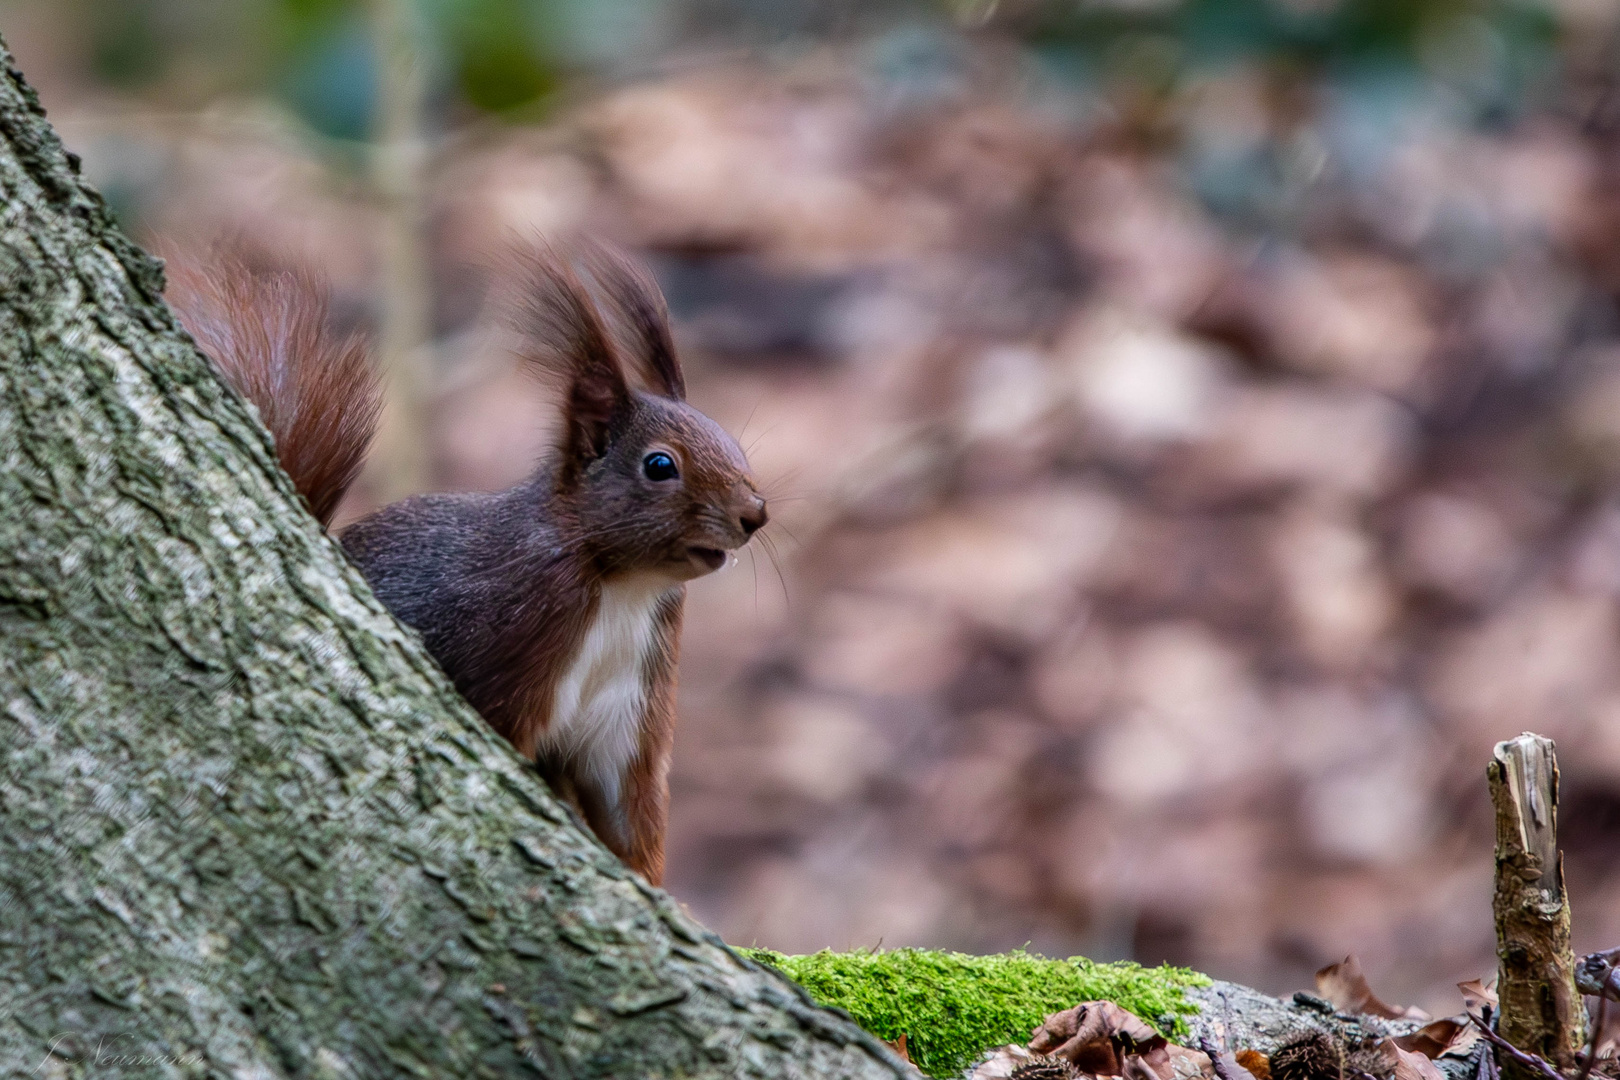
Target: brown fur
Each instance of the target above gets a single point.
(268, 332)
(503, 587)
(568, 342)
(647, 795)
(638, 309)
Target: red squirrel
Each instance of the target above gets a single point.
(554, 606)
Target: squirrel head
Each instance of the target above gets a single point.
(656, 486)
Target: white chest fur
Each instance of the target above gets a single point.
(600, 700)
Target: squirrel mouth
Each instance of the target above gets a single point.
(713, 558)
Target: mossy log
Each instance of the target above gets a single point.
(949, 1008)
(249, 830)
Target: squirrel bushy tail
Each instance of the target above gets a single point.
(267, 331)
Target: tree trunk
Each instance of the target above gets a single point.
(249, 830)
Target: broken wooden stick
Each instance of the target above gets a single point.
(1541, 1013)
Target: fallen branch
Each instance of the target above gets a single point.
(1207, 1045)
(1540, 1010)
(1535, 1063)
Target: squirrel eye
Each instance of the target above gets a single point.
(659, 466)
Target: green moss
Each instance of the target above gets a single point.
(952, 1007)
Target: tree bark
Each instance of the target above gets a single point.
(1541, 1012)
(247, 829)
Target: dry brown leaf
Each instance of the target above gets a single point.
(1233, 1064)
(1187, 1064)
(1137, 1067)
(1408, 1064)
(1476, 992)
(1255, 1062)
(1099, 1037)
(1157, 1060)
(1346, 987)
(1606, 1041)
(899, 1047)
(1000, 1063)
(1450, 1035)
(1190, 1065)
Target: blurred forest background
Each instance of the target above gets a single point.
(1195, 424)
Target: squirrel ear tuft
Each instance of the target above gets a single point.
(565, 340)
(637, 310)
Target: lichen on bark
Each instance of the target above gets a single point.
(249, 830)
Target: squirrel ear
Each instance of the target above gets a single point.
(565, 340)
(637, 309)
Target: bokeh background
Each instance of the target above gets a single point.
(1194, 424)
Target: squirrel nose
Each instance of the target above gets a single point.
(754, 518)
